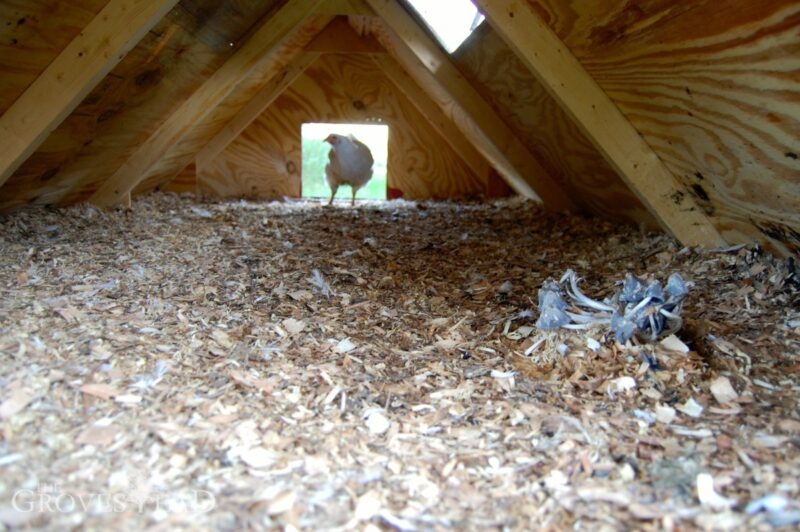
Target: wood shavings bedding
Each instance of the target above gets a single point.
(182, 365)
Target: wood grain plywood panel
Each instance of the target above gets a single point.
(185, 181)
(205, 130)
(423, 58)
(125, 108)
(255, 51)
(219, 24)
(265, 161)
(110, 123)
(714, 88)
(507, 84)
(32, 34)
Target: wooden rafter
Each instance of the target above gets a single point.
(337, 37)
(437, 118)
(433, 70)
(274, 88)
(589, 106)
(203, 101)
(117, 28)
(340, 37)
(184, 152)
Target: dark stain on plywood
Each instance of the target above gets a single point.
(788, 236)
(220, 24)
(48, 174)
(700, 192)
(149, 77)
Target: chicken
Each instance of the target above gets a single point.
(349, 163)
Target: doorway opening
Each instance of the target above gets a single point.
(315, 157)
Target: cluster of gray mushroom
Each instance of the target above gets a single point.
(647, 311)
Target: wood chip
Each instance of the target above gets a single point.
(723, 391)
(103, 391)
(293, 326)
(258, 457)
(708, 495)
(19, 399)
(673, 343)
(99, 435)
(691, 408)
(282, 503)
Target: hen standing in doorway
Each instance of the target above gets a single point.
(349, 163)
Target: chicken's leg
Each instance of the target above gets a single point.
(334, 188)
(353, 201)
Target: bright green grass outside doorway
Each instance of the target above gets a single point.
(315, 157)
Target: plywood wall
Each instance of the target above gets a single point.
(504, 81)
(203, 131)
(265, 161)
(32, 34)
(170, 62)
(714, 87)
(184, 181)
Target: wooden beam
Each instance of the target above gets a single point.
(565, 79)
(184, 152)
(337, 37)
(116, 29)
(432, 69)
(253, 109)
(437, 118)
(215, 89)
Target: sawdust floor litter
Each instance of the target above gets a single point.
(183, 365)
